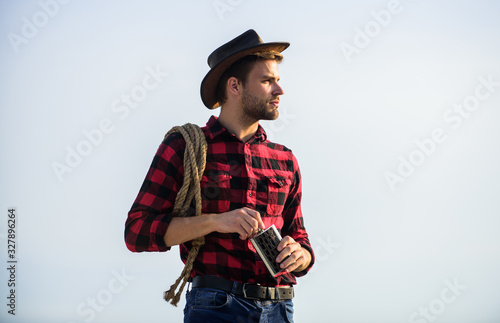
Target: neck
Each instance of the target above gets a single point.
(239, 125)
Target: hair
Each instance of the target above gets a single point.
(241, 68)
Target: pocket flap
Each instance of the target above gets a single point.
(280, 181)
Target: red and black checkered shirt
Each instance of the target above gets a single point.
(258, 174)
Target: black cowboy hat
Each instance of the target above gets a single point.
(224, 56)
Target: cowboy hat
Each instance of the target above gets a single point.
(223, 57)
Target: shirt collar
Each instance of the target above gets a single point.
(215, 128)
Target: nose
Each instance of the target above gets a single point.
(278, 90)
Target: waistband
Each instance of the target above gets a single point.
(250, 291)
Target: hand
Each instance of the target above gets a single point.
(292, 256)
(245, 221)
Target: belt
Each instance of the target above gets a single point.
(250, 291)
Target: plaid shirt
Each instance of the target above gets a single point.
(258, 174)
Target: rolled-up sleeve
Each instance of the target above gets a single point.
(151, 212)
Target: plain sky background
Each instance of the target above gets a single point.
(391, 107)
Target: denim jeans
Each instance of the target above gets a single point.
(205, 305)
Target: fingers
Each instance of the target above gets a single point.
(249, 221)
(246, 229)
(256, 215)
(292, 265)
(245, 221)
(291, 255)
(285, 241)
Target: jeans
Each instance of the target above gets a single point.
(205, 305)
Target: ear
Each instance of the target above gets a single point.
(233, 86)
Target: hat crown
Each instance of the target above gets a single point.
(248, 39)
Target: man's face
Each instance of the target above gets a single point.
(260, 98)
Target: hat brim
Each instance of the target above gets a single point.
(211, 80)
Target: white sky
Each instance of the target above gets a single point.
(384, 250)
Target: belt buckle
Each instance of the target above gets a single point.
(245, 292)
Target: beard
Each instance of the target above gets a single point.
(255, 108)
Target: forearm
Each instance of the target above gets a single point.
(184, 229)
(243, 221)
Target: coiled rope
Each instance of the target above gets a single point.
(194, 166)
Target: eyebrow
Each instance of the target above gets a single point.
(270, 77)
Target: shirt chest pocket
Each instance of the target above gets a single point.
(278, 188)
(215, 189)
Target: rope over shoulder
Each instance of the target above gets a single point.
(195, 156)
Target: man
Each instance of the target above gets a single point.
(249, 183)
